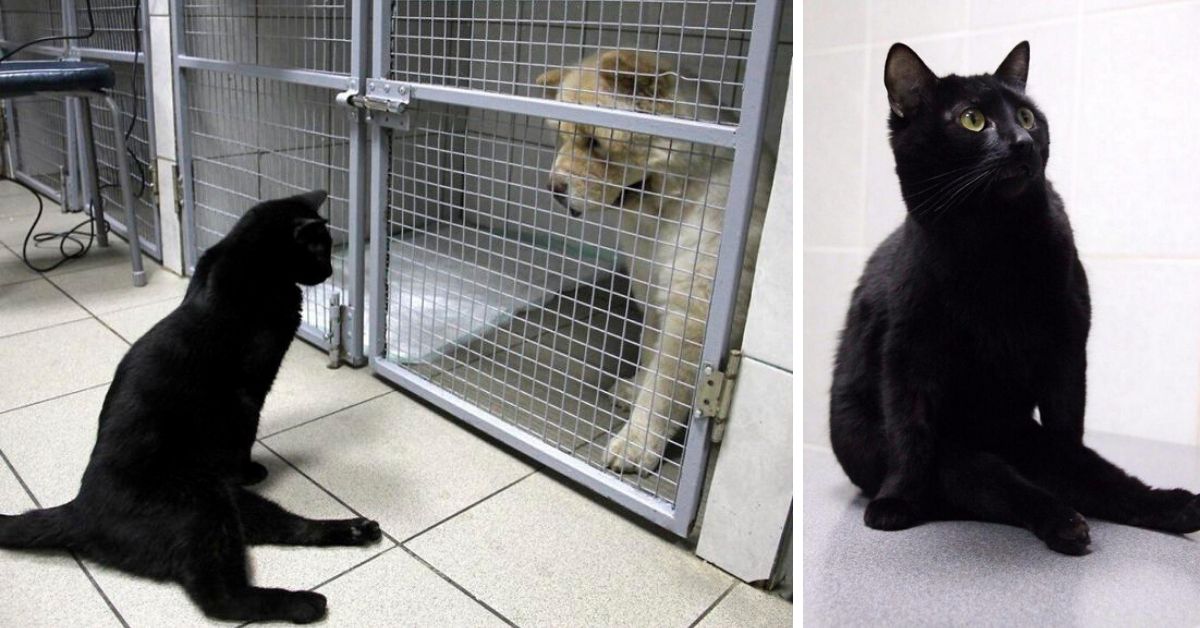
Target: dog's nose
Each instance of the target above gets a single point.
(558, 187)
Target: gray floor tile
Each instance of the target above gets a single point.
(542, 554)
(131, 323)
(12, 269)
(395, 589)
(49, 443)
(305, 389)
(747, 607)
(44, 588)
(110, 288)
(46, 363)
(957, 572)
(394, 460)
(31, 305)
(15, 225)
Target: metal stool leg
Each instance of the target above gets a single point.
(91, 174)
(135, 245)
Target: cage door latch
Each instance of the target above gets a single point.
(715, 393)
(334, 315)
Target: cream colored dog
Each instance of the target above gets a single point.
(670, 196)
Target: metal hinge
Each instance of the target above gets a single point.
(177, 179)
(336, 311)
(382, 101)
(716, 393)
(152, 181)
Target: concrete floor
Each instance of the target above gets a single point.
(474, 535)
(980, 574)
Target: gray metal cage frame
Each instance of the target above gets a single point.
(109, 45)
(361, 332)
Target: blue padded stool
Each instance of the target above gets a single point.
(85, 80)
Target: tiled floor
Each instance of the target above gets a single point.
(475, 536)
(961, 573)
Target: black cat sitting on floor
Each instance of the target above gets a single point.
(968, 317)
(161, 496)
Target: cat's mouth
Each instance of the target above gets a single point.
(1015, 172)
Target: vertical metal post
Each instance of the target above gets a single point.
(148, 97)
(738, 210)
(360, 64)
(70, 200)
(126, 185)
(378, 190)
(91, 174)
(183, 137)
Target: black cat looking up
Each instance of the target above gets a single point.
(162, 494)
(967, 318)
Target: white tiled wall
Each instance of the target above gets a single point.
(1116, 80)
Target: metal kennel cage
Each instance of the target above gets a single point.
(46, 136)
(459, 277)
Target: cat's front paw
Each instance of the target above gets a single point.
(352, 532)
(890, 513)
(1179, 518)
(305, 607)
(250, 473)
(1067, 535)
(626, 454)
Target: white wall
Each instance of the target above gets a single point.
(1118, 83)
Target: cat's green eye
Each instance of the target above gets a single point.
(972, 120)
(1025, 118)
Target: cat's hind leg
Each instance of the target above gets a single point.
(207, 555)
(266, 523)
(1101, 489)
(979, 485)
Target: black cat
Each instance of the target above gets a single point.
(968, 317)
(161, 495)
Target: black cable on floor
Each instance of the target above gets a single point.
(72, 235)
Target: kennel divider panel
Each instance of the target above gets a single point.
(431, 79)
(316, 47)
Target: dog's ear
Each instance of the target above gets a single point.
(549, 79)
(637, 73)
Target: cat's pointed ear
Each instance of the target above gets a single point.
(1015, 67)
(313, 199)
(908, 80)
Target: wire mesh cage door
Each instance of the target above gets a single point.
(48, 139)
(561, 197)
(121, 38)
(37, 127)
(257, 119)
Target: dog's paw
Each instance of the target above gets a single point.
(305, 607)
(623, 396)
(1068, 535)
(626, 456)
(890, 513)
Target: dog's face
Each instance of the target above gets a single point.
(595, 166)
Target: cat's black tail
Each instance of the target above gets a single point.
(37, 529)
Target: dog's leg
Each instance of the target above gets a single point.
(266, 523)
(666, 385)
